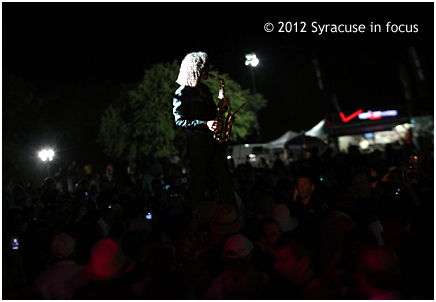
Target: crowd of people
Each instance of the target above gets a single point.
(342, 226)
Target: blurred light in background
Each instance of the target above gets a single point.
(46, 154)
(251, 60)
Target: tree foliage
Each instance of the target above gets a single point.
(140, 122)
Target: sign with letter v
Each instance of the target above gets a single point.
(349, 118)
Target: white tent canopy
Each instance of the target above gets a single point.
(318, 131)
(281, 141)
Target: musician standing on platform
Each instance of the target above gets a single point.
(194, 109)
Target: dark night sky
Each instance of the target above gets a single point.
(51, 43)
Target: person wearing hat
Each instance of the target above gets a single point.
(282, 215)
(237, 246)
(239, 278)
(110, 273)
(64, 277)
(207, 244)
(224, 221)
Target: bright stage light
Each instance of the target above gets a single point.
(46, 155)
(251, 60)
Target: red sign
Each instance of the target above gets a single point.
(349, 118)
(371, 115)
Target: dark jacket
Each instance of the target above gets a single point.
(192, 108)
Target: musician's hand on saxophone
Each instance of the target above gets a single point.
(214, 126)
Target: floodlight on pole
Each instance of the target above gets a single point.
(46, 155)
(251, 60)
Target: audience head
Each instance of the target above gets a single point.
(305, 186)
(282, 215)
(108, 261)
(379, 271)
(63, 246)
(237, 246)
(226, 220)
(362, 184)
(296, 258)
(270, 232)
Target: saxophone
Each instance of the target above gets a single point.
(223, 135)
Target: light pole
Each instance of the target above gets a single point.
(46, 156)
(252, 60)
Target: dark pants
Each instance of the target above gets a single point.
(209, 159)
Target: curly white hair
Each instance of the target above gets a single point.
(191, 68)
